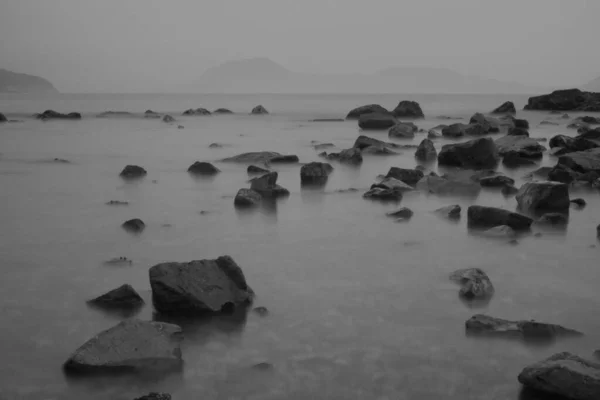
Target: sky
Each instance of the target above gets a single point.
(159, 45)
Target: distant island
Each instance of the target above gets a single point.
(262, 75)
(593, 86)
(12, 82)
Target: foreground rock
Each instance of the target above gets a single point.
(565, 100)
(203, 168)
(351, 156)
(518, 132)
(565, 375)
(520, 145)
(475, 284)
(259, 110)
(488, 124)
(197, 111)
(368, 109)
(315, 173)
(199, 286)
(476, 154)
(450, 212)
(261, 157)
(507, 107)
(489, 217)
(51, 114)
(376, 121)
(409, 176)
(582, 161)
(539, 196)
(266, 185)
(408, 109)
(131, 345)
(569, 144)
(253, 169)
(135, 225)
(123, 297)
(247, 198)
(133, 171)
(402, 131)
(448, 186)
(426, 151)
(486, 325)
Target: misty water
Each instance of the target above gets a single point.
(360, 306)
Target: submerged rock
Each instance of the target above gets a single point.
(500, 232)
(448, 186)
(131, 345)
(475, 284)
(135, 225)
(253, 169)
(565, 100)
(168, 119)
(451, 212)
(133, 171)
(260, 157)
(509, 190)
(408, 176)
(518, 132)
(520, 145)
(266, 185)
(199, 286)
(496, 181)
(477, 154)
(579, 202)
(507, 107)
(362, 142)
(408, 109)
(119, 261)
(117, 203)
(383, 194)
(570, 144)
(123, 297)
(459, 130)
(247, 198)
(284, 159)
(489, 217)
(197, 111)
(376, 121)
(402, 131)
(368, 109)
(51, 114)
(203, 168)
(114, 114)
(315, 173)
(259, 110)
(392, 183)
(553, 219)
(487, 124)
(426, 151)
(565, 375)
(582, 161)
(351, 156)
(403, 213)
(486, 325)
(433, 134)
(549, 195)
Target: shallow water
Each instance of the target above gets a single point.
(360, 306)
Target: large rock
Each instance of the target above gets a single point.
(135, 225)
(253, 169)
(512, 159)
(376, 121)
(383, 194)
(488, 124)
(450, 212)
(199, 286)
(477, 154)
(570, 144)
(588, 119)
(197, 111)
(123, 297)
(408, 176)
(408, 109)
(507, 107)
(247, 198)
(402, 131)
(582, 161)
(362, 142)
(131, 345)
(315, 173)
(486, 325)
(392, 183)
(51, 114)
(402, 214)
(259, 110)
(448, 186)
(285, 159)
(475, 284)
(3, 118)
(132, 172)
(203, 168)
(538, 196)
(518, 132)
(521, 123)
(222, 111)
(459, 130)
(168, 119)
(368, 109)
(266, 185)
(426, 151)
(489, 217)
(496, 181)
(351, 156)
(256, 157)
(565, 375)
(565, 100)
(521, 145)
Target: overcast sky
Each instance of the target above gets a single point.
(156, 45)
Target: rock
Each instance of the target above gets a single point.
(563, 174)
(579, 202)
(475, 284)
(383, 194)
(433, 134)
(518, 132)
(553, 219)
(133, 171)
(117, 203)
(534, 196)
(408, 109)
(168, 119)
(588, 119)
(376, 121)
(591, 135)
(284, 159)
(155, 396)
(118, 261)
(512, 159)
(3, 118)
(507, 107)
(322, 146)
(266, 185)
(509, 190)
(451, 212)
(403, 213)
(362, 142)
(349, 156)
(426, 151)
(134, 225)
(408, 176)
(500, 232)
(315, 173)
(521, 123)
(222, 111)
(401, 131)
(541, 173)
(570, 144)
(488, 124)
(199, 286)
(392, 183)
(582, 161)
(565, 375)
(197, 111)
(123, 297)
(253, 169)
(496, 181)
(579, 125)
(486, 325)
(259, 110)
(444, 186)
(51, 114)
(216, 146)
(257, 157)
(460, 130)
(489, 217)
(247, 198)
(523, 146)
(565, 100)
(131, 345)
(114, 114)
(328, 120)
(203, 168)
(477, 154)
(379, 151)
(368, 109)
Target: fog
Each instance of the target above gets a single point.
(155, 46)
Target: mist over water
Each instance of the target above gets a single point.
(360, 306)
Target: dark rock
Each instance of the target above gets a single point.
(570, 144)
(518, 132)
(392, 183)
(133, 171)
(582, 161)
(131, 345)
(134, 225)
(3, 118)
(322, 146)
(408, 109)
(379, 151)
(403, 213)
(222, 111)
(401, 131)
(408, 176)
(477, 176)
(444, 186)
(598, 231)
(150, 112)
(180, 127)
(261, 311)
(521, 123)
(496, 181)
(488, 124)
(591, 135)
(579, 202)
(426, 151)
(523, 146)
(451, 212)
(553, 219)
(197, 111)
(579, 125)
(362, 142)
(500, 232)
(259, 110)
(507, 107)
(199, 286)
(117, 203)
(266, 185)
(215, 146)
(565, 100)
(460, 130)
(563, 174)
(263, 366)
(203, 168)
(120, 261)
(51, 114)
(475, 284)
(247, 198)
(384, 194)
(155, 396)
(509, 190)
(486, 325)
(328, 120)
(588, 119)
(253, 169)
(512, 159)
(257, 157)
(284, 159)
(478, 153)
(349, 156)
(534, 196)
(114, 114)
(168, 119)
(123, 297)
(433, 134)
(565, 375)
(376, 121)
(368, 109)
(489, 217)
(315, 173)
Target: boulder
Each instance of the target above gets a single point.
(451, 212)
(3, 118)
(315, 173)
(426, 151)
(408, 109)
(383, 194)
(512, 159)
(131, 345)
(123, 297)
(477, 154)
(518, 132)
(579, 126)
(448, 186)
(155, 396)
(582, 161)
(593, 134)
(488, 124)
(489, 217)
(222, 111)
(322, 146)
(569, 144)
(579, 202)
(534, 196)
(403, 213)
(379, 151)
(507, 107)
(349, 156)
(247, 198)
(168, 119)
(523, 146)
(376, 121)
(401, 131)
(433, 134)
(363, 142)
(565, 375)
(486, 325)
(509, 190)
(253, 169)
(393, 184)
(284, 159)
(598, 231)
(500, 232)
(259, 110)
(565, 100)
(199, 286)
(475, 284)
(368, 109)
(408, 176)
(203, 168)
(563, 174)
(197, 111)
(51, 114)
(135, 225)
(256, 157)
(588, 119)
(133, 171)
(496, 181)
(540, 173)
(553, 219)
(459, 130)
(521, 123)
(266, 185)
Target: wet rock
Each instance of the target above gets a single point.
(598, 231)
(216, 146)
(521, 123)
(486, 325)
(565, 375)
(408, 176)
(379, 151)
(489, 217)
(322, 146)
(534, 196)
(401, 131)
(261, 311)
(168, 119)
(496, 181)
(131, 345)
(569, 144)
(368, 109)
(509, 190)
(203, 168)
(518, 132)
(475, 284)
(507, 107)
(451, 212)
(563, 174)
(253, 169)
(392, 183)
(259, 110)
(408, 109)
(433, 134)
(565, 100)
(376, 121)
(315, 173)
(553, 219)
(512, 159)
(222, 111)
(383, 194)
(266, 185)
(135, 225)
(351, 156)
(426, 151)
(247, 198)
(520, 145)
(199, 286)
(259, 157)
(197, 111)
(118, 261)
(155, 396)
(579, 202)
(133, 171)
(284, 159)
(328, 120)
(123, 297)
(114, 114)
(477, 154)
(488, 124)
(579, 126)
(51, 114)
(402, 213)
(444, 186)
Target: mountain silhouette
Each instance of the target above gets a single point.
(12, 82)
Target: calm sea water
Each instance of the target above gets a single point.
(360, 306)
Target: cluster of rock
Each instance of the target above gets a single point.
(51, 114)
(565, 100)
(262, 188)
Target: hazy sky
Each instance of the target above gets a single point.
(156, 45)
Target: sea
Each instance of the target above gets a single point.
(360, 306)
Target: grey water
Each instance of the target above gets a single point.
(360, 306)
